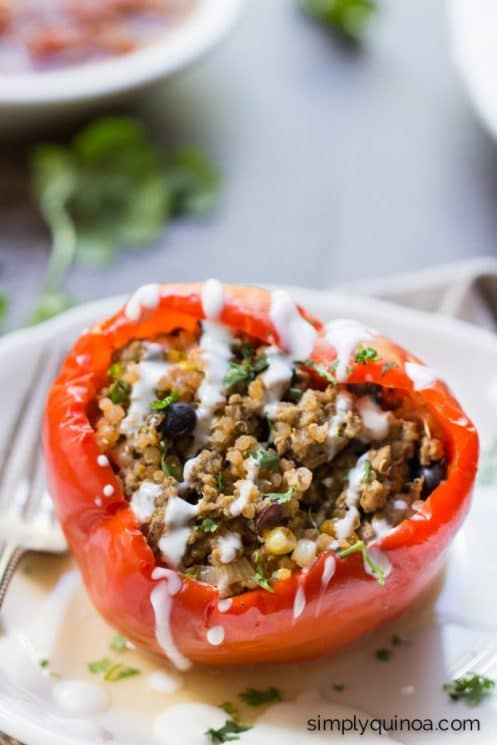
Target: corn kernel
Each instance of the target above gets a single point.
(282, 574)
(279, 541)
(304, 553)
(328, 527)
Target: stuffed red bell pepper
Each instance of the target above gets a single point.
(240, 483)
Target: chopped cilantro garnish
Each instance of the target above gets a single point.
(43, 663)
(228, 732)
(368, 471)
(349, 18)
(208, 525)
(119, 393)
(470, 687)
(268, 460)
(360, 547)
(230, 708)
(245, 372)
(115, 370)
(383, 654)
(260, 578)
(365, 355)
(339, 687)
(255, 697)
(220, 481)
(163, 403)
(118, 643)
(320, 369)
(111, 671)
(388, 366)
(169, 468)
(280, 497)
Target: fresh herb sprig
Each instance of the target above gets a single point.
(360, 547)
(267, 460)
(364, 355)
(208, 525)
(321, 370)
(472, 688)
(280, 497)
(111, 188)
(260, 578)
(111, 671)
(245, 371)
(228, 732)
(164, 403)
(349, 18)
(256, 697)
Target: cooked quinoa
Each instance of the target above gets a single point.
(242, 465)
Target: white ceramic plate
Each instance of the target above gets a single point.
(47, 614)
(205, 26)
(473, 26)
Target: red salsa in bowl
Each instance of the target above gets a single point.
(52, 34)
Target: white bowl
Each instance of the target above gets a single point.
(85, 84)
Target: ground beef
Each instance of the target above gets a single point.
(267, 489)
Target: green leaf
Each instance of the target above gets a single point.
(255, 697)
(360, 547)
(231, 709)
(245, 372)
(4, 303)
(163, 403)
(383, 654)
(365, 355)
(320, 369)
(472, 688)
(260, 578)
(228, 732)
(100, 666)
(194, 182)
(268, 460)
(349, 18)
(208, 525)
(220, 481)
(280, 498)
(120, 391)
(111, 671)
(118, 643)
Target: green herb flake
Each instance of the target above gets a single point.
(321, 370)
(115, 370)
(119, 393)
(399, 641)
(348, 18)
(43, 663)
(244, 372)
(161, 404)
(169, 468)
(208, 525)
(220, 481)
(388, 366)
(100, 666)
(230, 708)
(383, 654)
(338, 687)
(280, 497)
(267, 460)
(368, 473)
(255, 697)
(472, 688)
(260, 578)
(228, 732)
(110, 670)
(365, 355)
(360, 547)
(118, 643)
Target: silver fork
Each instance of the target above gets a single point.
(27, 519)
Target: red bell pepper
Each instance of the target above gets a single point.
(259, 626)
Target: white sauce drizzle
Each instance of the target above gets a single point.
(103, 461)
(329, 568)
(161, 600)
(296, 335)
(175, 724)
(215, 635)
(228, 546)
(344, 335)
(108, 490)
(143, 500)
(143, 394)
(343, 405)
(224, 604)
(163, 682)
(147, 296)
(381, 526)
(80, 697)
(276, 379)
(173, 544)
(400, 504)
(421, 376)
(212, 299)
(215, 344)
(375, 419)
(299, 602)
(345, 525)
(98, 501)
(245, 487)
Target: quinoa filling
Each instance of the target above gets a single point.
(243, 465)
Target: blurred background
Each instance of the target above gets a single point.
(337, 160)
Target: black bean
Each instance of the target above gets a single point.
(432, 475)
(179, 420)
(268, 518)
